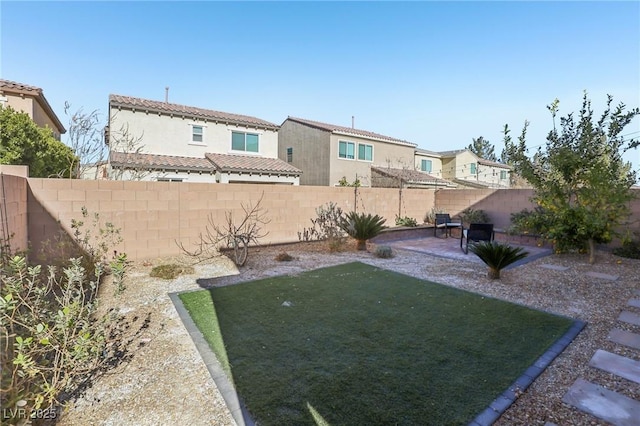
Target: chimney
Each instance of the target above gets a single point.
(166, 95)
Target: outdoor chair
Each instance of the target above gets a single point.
(476, 232)
(443, 221)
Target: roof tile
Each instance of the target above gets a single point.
(170, 108)
(250, 163)
(158, 161)
(348, 130)
(410, 176)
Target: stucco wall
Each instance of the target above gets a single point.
(154, 215)
(384, 154)
(165, 135)
(311, 152)
(436, 164)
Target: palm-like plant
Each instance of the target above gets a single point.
(497, 256)
(362, 227)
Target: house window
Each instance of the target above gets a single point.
(162, 179)
(241, 141)
(289, 155)
(474, 169)
(503, 174)
(425, 166)
(346, 150)
(197, 134)
(365, 152)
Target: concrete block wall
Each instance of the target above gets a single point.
(14, 204)
(154, 216)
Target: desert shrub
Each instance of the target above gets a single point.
(470, 215)
(532, 222)
(497, 256)
(406, 221)
(384, 252)
(170, 271)
(362, 227)
(326, 226)
(283, 256)
(630, 247)
(52, 337)
(430, 216)
(119, 266)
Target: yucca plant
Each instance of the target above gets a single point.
(362, 227)
(497, 256)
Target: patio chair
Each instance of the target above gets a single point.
(443, 221)
(476, 232)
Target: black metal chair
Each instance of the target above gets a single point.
(476, 232)
(443, 221)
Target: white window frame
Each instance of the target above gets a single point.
(192, 133)
(346, 157)
(358, 153)
(422, 164)
(245, 133)
(503, 174)
(473, 169)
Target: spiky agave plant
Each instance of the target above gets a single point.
(497, 256)
(362, 227)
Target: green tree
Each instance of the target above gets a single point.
(22, 142)
(483, 149)
(581, 181)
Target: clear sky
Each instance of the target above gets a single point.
(434, 73)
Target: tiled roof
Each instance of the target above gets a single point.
(452, 153)
(348, 130)
(211, 162)
(427, 152)
(183, 110)
(411, 176)
(250, 163)
(493, 164)
(159, 161)
(36, 92)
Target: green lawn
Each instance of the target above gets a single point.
(363, 345)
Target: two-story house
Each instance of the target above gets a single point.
(31, 101)
(154, 140)
(467, 169)
(329, 153)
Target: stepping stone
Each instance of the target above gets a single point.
(629, 317)
(625, 338)
(616, 364)
(554, 267)
(634, 302)
(602, 276)
(607, 405)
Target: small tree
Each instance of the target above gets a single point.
(580, 179)
(483, 149)
(85, 138)
(22, 142)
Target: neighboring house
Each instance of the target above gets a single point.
(153, 140)
(467, 169)
(386, 177)
(327, 153)
(30, 100)
(428, 162)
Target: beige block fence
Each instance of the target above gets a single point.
(155, 216)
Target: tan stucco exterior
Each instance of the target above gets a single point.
(464, 166)
(436, 163)
(311, 152)
(35, 106)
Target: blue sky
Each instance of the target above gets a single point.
(435, 73)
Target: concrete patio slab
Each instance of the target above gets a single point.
(629, 317)
(607, 405)
(616, 364)
(625, 338)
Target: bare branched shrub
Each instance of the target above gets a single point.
(326, 226)
(234, 237)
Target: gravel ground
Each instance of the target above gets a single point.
(162, 379)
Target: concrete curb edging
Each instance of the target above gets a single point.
(235, 405)
(508, 397)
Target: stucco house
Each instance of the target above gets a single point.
(30, 100)
(327, 153)
(467, 169)
(155, 140)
